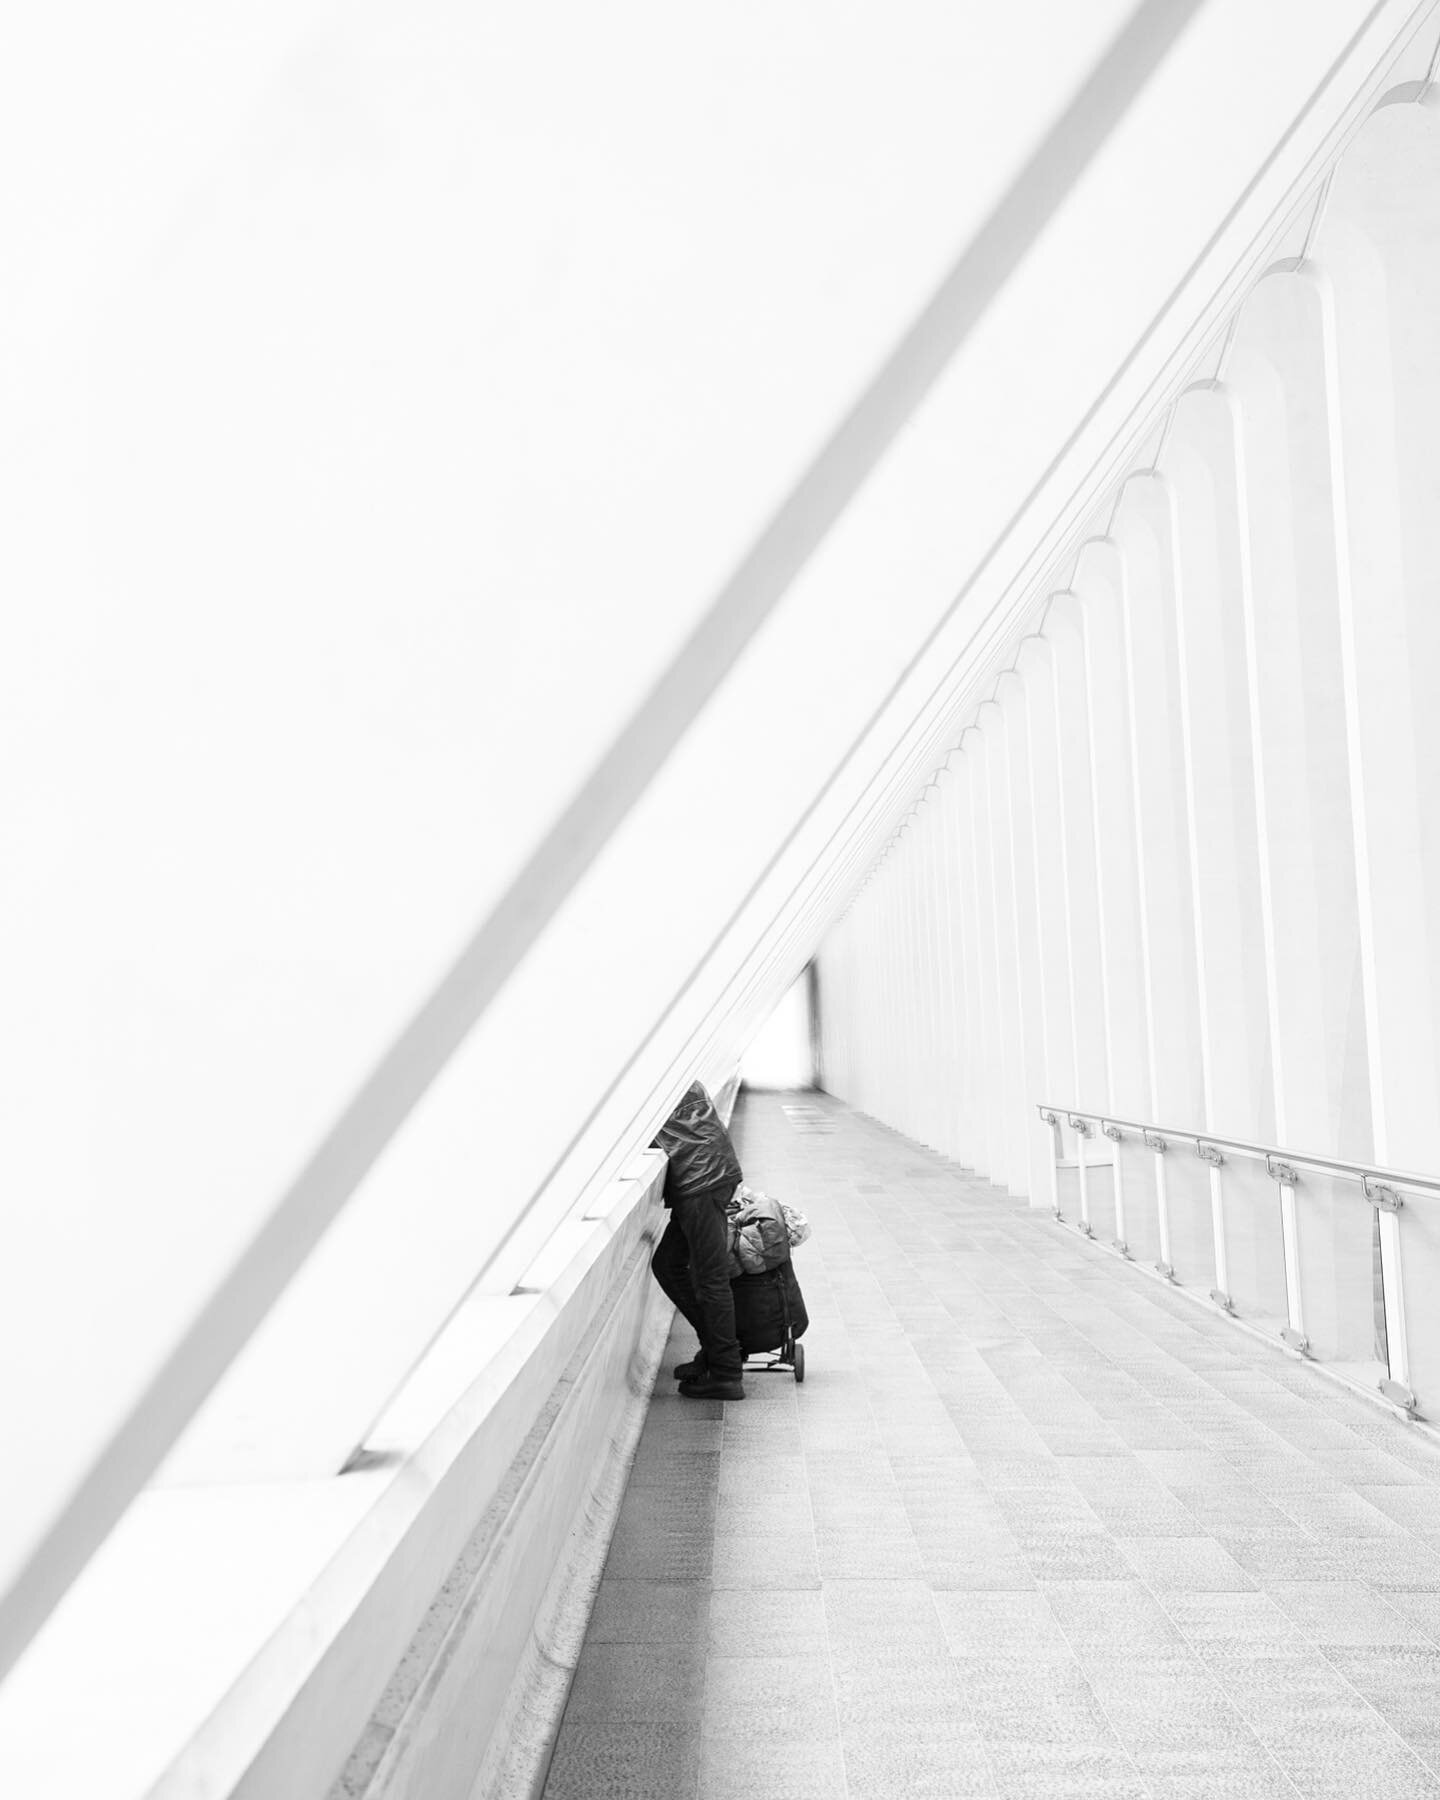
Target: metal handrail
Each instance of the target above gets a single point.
(1361, 1172)
(1381, 1187)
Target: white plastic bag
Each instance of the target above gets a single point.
(796, 1224)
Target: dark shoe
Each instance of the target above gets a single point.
(691, 1371)
(714, 1387)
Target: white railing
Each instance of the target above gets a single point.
(1304, 1247)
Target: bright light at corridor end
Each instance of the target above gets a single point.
(782, 1055)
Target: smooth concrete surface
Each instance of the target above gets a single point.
(1034, 1526)
(261, 1639)
(474, 1704)
(412, 1692)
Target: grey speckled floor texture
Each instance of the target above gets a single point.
(1033, 1526)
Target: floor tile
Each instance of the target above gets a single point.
(788, 1698)
(1344, 1613)
(1189, 1565)
(626, 1761)
(660, 1682)
(767, 1622)
(782, 1560)
(887, 1767)
(740, 1771)
(650, 1612)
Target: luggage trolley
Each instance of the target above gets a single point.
(770, 1319)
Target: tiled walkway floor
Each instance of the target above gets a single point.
(1033, 1526)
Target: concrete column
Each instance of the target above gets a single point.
(1009, 1046)
(952, 961)
(938, 1083)
(990, 1058)
(1099, 581)
(1212, 570)
(1144, 531)
(1030, 1140)
(1380, 253)
(972, 950)
(1065, 631)
(1276, 371)
(1036, 666)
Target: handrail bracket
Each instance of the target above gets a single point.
(1399, 1395)
(1381, 1196)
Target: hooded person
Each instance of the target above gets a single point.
(692, 1259)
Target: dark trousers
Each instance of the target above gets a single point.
(692, 1264)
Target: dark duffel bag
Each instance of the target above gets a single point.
(768, 1307)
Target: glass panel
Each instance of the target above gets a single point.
(1340, 1283)
(1067, 1176)
(1419, 1225)
(1102, 1188)
(1192, 1235)
(1142, 1232)
(1255, 1251)
(1067, 1192)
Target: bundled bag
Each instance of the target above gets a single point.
(759, 1233)
(768, 1307)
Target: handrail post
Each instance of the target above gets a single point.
(1081, 1128)
(1114, 1133)
(1054, 1124)
(1220, 1293)
(1162, 1204)
(1288, 1180)
(1387, 1204)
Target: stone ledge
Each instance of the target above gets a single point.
(238, 1640)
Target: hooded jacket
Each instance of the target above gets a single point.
(694, 1138)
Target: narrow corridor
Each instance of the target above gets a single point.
(1035, 1525)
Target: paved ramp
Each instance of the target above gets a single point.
(1034, 1526)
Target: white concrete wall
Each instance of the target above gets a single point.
(1191, 835)
(409, 1625)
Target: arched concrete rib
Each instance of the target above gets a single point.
(581, 832)
(849, 831)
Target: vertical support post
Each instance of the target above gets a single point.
(1287, 1179)
(1387, 1203)
(1114, 1133)
(1220, 1293)
(1162, 1204)
(1054, 1124)
(1081, 1128)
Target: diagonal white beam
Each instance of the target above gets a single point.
(586, 825)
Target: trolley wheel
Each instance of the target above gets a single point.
(799, 1362)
